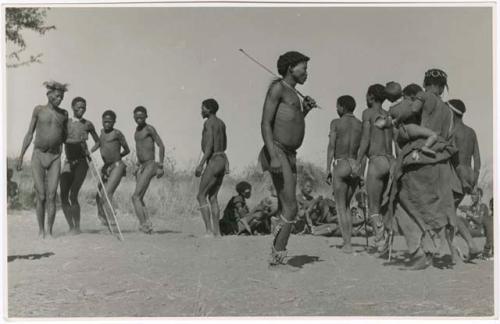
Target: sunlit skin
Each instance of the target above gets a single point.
(343, 146)
(283, 121)
(113, 147)
(76, 166)
(48, 123)
(145, 137)
(212, 169)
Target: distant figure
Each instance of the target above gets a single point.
(50, 124)
(283, 129)
(477, 219)
(488, 250)
(145, 139)
(307, 205)
(233, 222)
(344, 149)
(12, 191)
(111, 142)
(265, 211)
(76, 165)
(213, 145)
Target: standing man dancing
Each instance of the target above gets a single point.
(283, 127)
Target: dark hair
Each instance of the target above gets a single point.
(242, 186)
(140, 109)
(109, 113)
(377, 91)
(436, 77)
(347, 102)
(211, 104)
(393, 96)
(457, 105)
(77, 100)
(290, 59)
(412, 90)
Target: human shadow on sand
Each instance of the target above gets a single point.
(445, 262)
(166, 231)
(11, 258)
(299, 261)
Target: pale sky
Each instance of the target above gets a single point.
(170, 59)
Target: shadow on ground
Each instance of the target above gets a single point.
(299, 261)
(11, 258)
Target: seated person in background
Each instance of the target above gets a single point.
(309, 208)
(488, 228)
(12, 191)
(236, 209)
(476, 214)
(260, 216)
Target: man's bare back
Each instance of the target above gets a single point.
(380, 139)
(348, 136)
(466, 142)
(217, 133)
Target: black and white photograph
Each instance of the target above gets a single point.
(249, 160)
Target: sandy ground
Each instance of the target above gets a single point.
(177, 272)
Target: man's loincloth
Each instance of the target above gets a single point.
(71, 165)
(47, 158)
(108, 168)
(353, 164)
(219, 163)
(289, 155)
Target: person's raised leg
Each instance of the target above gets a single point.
(65, 187)
(79, 177)
(143, 180)
(38, 172)
(53, 174)
(208, 180)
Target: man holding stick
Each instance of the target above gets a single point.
(283, 127)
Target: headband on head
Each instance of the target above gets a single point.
(436, 73)
(54, 85)
(455, 109)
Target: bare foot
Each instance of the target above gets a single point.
(421, 262)
(41, 234)
(347, 248)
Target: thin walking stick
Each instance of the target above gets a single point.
(95, 174)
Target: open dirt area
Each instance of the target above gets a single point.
(178, 272)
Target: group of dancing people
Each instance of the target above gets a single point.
(416, 161)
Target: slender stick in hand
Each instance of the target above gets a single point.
(273, 74)
(95, 173)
